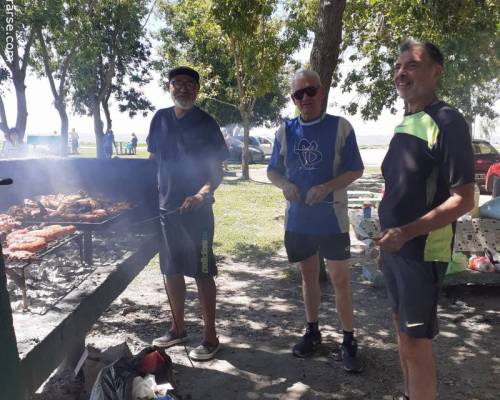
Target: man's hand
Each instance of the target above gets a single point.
(192, 203)
(316, 194)
(291, 192)
(392, 239)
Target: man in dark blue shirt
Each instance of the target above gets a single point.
(189, 148)
(429, 183)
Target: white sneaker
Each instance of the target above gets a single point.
(170, 339)
(205, 351)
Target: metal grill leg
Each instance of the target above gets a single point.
(87, 247)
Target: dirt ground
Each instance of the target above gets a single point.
(259, 318)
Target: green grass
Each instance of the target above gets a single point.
(248, 220)
(372, 169)
(90, 151)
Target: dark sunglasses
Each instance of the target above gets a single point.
(311, 91)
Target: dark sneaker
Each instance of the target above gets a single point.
(400, 397)
(348, 356)
(205, 351)
(308, 344)
(170, 339)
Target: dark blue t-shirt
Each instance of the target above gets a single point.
(310, 154)
(186, 150)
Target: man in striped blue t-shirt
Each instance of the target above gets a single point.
(315, 157)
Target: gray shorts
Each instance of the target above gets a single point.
(413, 288)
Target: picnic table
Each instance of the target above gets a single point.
(472, 236)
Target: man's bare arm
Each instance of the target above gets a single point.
(290, 191)
(195, 201)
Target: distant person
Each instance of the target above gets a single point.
(224, 163)
(108, 142)
(429, 183)
(315, 157)
(74, 141)
(188, 147)
(133, 143)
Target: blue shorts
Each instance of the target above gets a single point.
(413, 288)
(187, 243)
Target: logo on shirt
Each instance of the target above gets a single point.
(413, 325)
(308, 153)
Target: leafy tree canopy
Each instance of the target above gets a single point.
(240, 48)
(465, 30)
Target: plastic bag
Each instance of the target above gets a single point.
(481, 264)
(457, 264)
(144, 388)
(115, 381)
(490, 209)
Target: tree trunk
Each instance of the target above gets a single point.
(4, 125)
(326, 46)
(245, 173)
(64, 130)
(107, 114)
(96, 113)
(22, 110)
(59, 100)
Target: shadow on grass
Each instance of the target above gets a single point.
(237, 181)
(253, 253)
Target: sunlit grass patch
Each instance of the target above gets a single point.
(248, 219)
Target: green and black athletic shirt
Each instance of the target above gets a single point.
(430, 153)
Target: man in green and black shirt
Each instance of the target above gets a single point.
(429, 183)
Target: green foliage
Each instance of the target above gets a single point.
(240, 48)
(465, 30)
(110, 45)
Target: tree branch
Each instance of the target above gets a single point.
(46, 63)
(64, 71)
(27, 49)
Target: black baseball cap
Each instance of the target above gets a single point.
(184, 71)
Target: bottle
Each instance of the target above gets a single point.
(367, 210)
(371, 250)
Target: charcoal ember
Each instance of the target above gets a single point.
(52, 277)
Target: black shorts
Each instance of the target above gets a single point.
(300, 246)
(413, 288)
(187, 242)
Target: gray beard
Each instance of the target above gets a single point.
(183, 105)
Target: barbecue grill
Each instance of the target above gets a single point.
(16, 270)
(60, 333)
(87, 228)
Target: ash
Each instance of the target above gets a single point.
(51, 278)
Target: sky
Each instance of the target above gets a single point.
(43, 118)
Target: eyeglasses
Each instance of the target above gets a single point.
(188, 85)
(311, 91)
